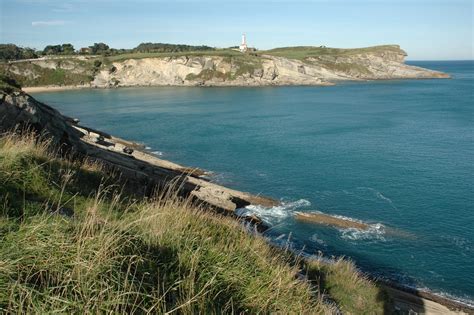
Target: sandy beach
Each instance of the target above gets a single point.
(54, 88)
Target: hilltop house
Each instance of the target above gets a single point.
(85, 51)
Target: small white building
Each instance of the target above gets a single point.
(243, 47)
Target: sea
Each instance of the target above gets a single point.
(396, 154)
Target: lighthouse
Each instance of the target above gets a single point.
(243, 46)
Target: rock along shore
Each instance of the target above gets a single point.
(138, 167)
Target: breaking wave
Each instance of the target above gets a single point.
(374, 232)
(274, 214)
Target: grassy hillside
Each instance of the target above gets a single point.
(73, 241)
(138, 55)
(303, 52)
(66, 71)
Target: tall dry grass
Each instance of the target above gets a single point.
(114, 255)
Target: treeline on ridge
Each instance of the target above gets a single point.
(14, 52)
(163, 47)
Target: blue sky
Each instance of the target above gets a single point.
(426, 29)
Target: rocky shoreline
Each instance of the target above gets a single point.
(145, 172)
(141, 169)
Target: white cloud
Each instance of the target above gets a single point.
(48, 23)
(64, 7)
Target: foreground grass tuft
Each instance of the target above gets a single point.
(114, 255)
(350, 289)
(70, 243)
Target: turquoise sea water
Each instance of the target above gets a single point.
(396, 154)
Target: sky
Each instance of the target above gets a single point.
(425, 29)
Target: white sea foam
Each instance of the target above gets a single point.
(157, 153)
(346, 218)
(147, 148)
(374, 232)
(274, 214)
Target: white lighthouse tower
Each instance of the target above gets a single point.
(243, 46)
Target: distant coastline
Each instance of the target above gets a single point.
(287, 66)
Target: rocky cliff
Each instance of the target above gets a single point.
(283, 66)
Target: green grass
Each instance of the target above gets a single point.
(351, 290)
(120, 253)
(304, 52)
(30, 74)
(220, 52)
(115, 255)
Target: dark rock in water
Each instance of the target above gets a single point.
(128, 150)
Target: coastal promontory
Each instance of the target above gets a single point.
(306, 65)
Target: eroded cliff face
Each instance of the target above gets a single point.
(209, 71)
(266, 70)
(326, 68)
(378, 65)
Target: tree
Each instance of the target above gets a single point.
(67, 49)
(9, 52)
(162, 47)
(13, 52)
(52, 50)
(99, 48)
(28, 53)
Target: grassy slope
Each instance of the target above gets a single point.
(221, 53)
(303, 52)
(35, 75)
(120, 254)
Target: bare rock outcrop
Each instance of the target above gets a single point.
(20, 111)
